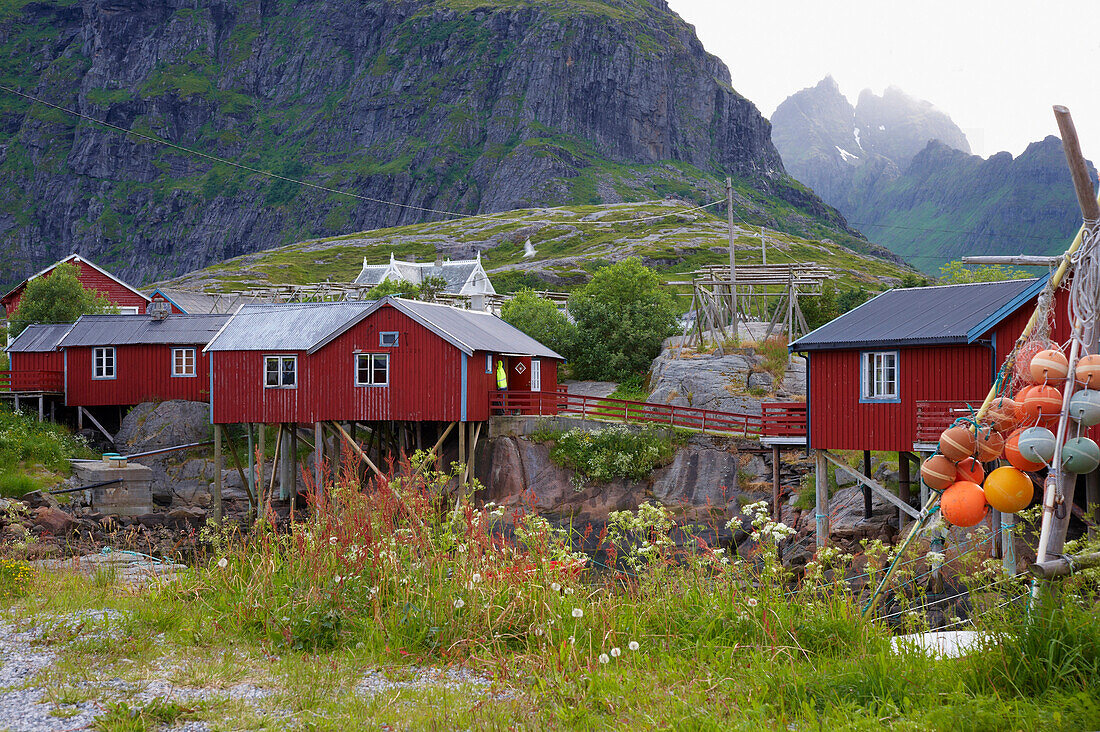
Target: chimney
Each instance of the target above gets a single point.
(158, 310)
(477, 301)
(439, 259)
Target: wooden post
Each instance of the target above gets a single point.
(866, 490)
(1008, 544)
(821, 483)
(904, 482)
(462, 452)
(319, 457)
(776, 509)
(334, 458)
(733, 255)
(41, 408)
(261, 450)
(245, 480)
(468, 471)
(79, 418)
(995, 521)
(1092, 501)
(53, 411)
(218, 465)
(924, 490)
(358, 450)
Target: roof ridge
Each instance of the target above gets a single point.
(962, 284)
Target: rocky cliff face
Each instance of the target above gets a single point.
(901, 172)
(432, 104)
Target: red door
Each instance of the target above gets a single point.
(519, 373)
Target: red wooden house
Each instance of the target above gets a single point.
(392, 359)
(122, 360)
(128, 299)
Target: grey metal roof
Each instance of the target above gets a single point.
(124, 330)
(372, 274)
(39, 338)
(199, 303)
(286, 326)
(921, 316)
(454, 273)
(311, 326)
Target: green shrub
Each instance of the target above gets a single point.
(23, 440)
(14, 484)
(615, 452)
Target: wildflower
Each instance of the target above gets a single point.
(459, 603)
(604, 658)
(572, 640)
(538, 631)
(476, 577)
(633, 645)
(461, 548)
(616, 652)
(569, 590)
(332, 540)
(555, 587)
(753, 602)
(577, 612)
(222, 563)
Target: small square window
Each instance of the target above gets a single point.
(388, 339)
(879, 380)
(280, 372)
(103, 363)
(183, 362)
(372, 369)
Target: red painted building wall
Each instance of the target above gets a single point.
(143, 373)
(92, 279)
(425, 380)
(27, 369)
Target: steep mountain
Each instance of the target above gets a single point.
(417, 107)
(569, 242)
(900, 171)
(948, 204)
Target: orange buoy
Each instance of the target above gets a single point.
(963, 504)
(1049, 365)
(1025, 353)
(1013, 456)
(1002, 414)
(958, 443)
(1008, 490)
(938, 472)
(1088, 371)
(1042, 403)
(1020, 398)
(990, 446)
(971, 470)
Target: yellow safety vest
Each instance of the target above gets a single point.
(502, 377)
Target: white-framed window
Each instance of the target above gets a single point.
(280, 372)
(536, 375)
(488, 363)
(183, 362)
(127, 310)
(388, 339)
(879, 376)
(103, 363)
(372, 369)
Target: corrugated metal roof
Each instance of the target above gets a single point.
(39, 338)
(310, 326)
(124, 330)
(200, 303)
(286, 327)
(917, 316)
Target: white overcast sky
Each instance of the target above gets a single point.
(995, 67)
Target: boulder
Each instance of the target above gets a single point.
(794, 377)
(53, 520)
(154, 425)
(704, 381)
(760, 380)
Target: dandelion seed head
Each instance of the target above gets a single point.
(604, 658)
(459, 603)
(222, 563)
(577, 612)
(616, 652)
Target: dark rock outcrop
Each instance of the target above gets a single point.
(434, 105)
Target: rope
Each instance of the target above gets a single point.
(1083, 305)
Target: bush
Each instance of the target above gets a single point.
(539, 319)
(615, 452)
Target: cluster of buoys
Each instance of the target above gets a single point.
(1019, 430)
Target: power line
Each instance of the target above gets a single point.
(453, 214)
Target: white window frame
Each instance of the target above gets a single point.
(875, 369)
(189, 363)
(104, 362)
(488, 363)
(382, 339)
(372, 360)
(536, 375)
(281, 361)
(128, 310)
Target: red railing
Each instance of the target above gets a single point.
(31, 381)
(933, 417)
(784, 419)
(781, 420)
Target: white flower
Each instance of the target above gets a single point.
(538, 631)
(222, 563)
(753, 602)
(555, 587)
(459, 603)
(569, 590)
(476, 577)
(461, 548)
(577, 612)
(338, 578)
(604, 658)
(616, 652)
(332, 540)
(572, 640)
(373, 591)
(633, 645)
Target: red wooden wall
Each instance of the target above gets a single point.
(425, 380)
(26, 368)
(92, 279)
(838, 421)
(143, 373)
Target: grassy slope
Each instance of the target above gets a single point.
(570, 242)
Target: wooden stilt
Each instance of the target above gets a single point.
(53, 411)
(904, 482)
(776, 508)
(468, 471)
(1008, 545)
(275, 469)
(821, 484)
(462, 452)
(358, 450)
(1092, 502)
(319, 458)
(334, 458)
(218, 465)
(17, 402)
(261, 454)
(41, 408)
(995, 518)
(251, 484)
(866, 489)
(240, 467)
(98, 426)
(79, 418)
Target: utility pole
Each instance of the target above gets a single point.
(763, 247)
(733, 258)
